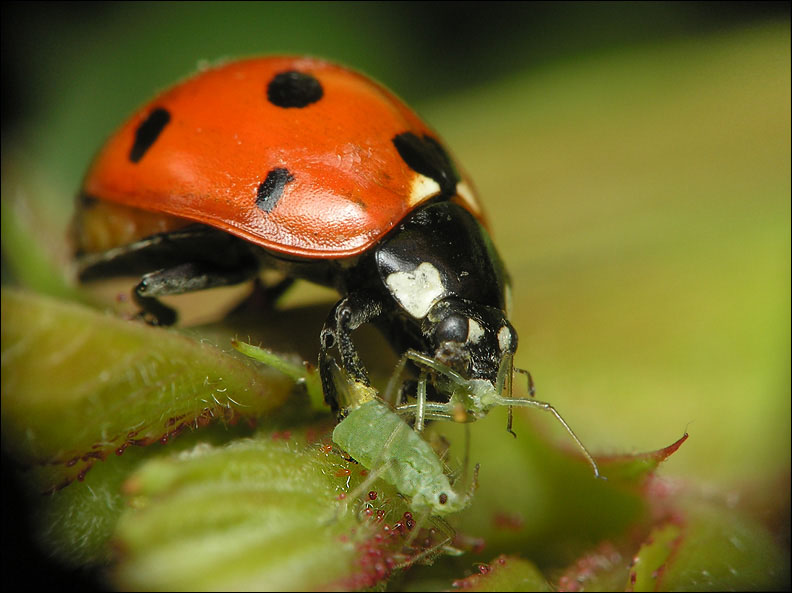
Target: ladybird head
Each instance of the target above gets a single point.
(470, 338)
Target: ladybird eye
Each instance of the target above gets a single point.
(453, 328)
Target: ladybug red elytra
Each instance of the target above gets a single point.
(307, 167)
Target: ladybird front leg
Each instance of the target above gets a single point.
(180, 279)
(348, 314)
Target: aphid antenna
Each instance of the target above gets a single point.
(482, 401)
(547, 407)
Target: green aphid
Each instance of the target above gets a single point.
(376, 436)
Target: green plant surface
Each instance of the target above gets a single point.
(255, 514)
(214, 509)
(640, 200)
(641, 203)
(708, 548)
(505, 574)
(82, 386)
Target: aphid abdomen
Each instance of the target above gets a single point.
(378, 438)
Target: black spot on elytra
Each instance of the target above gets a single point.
(428, 157)
(148, 132)
(294, 89)
(271, 189)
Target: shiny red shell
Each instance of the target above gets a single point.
(347, 184)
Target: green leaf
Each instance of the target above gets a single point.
(33, 241)
(635, 469)
(505, 574)
(261, 514)
(79, 386)
(543, 502)
(710, 547)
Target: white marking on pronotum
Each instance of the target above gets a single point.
(465, 192)
(423, 187)
(475, 331)
(504, 338)
(418, 290)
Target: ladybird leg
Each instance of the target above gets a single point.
(187, 277)
(326, 363)
(349, 313)
(262, 297)
(165, 250)
(153, 312)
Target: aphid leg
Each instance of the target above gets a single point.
(391, 393)
(549, 408)
(431, 363)
(505, 383)
(443, 546)
(423, 409)
(529, 379)
(420, 402)
(432, 411)
(466, 458)
(359, 490)
(424, 361)
(510, 381)
(378, 468)
(427, 410)
(531, 393)
(414, 532)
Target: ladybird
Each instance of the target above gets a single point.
(315, 170)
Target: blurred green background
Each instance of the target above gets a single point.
(634, 160)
